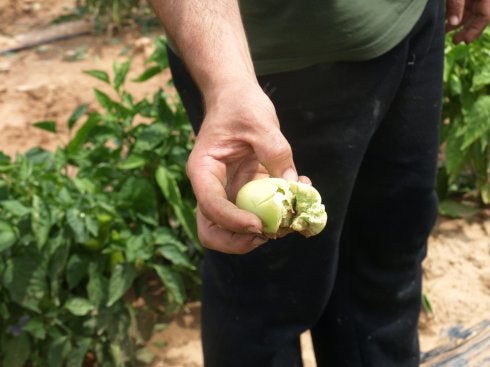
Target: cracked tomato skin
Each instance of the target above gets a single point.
(260, 197)
(283, 206)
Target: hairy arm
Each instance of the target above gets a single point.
(210, 38)
(240, 138)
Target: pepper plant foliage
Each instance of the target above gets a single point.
(81, 226)
(466, 118)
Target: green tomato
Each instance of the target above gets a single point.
(104, 218)
(93, 244)
(284, 204)
(116, 258)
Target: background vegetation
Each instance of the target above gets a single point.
(465, 124)
(109, 212)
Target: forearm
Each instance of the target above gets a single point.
(210, 38)
(239, 137)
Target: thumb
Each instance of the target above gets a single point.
(454, 11)
(275, 153)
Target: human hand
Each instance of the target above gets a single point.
(471, 16)
(239, 140)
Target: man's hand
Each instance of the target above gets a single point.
(239, 140)
(470, 16)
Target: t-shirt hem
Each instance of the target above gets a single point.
(376, 48)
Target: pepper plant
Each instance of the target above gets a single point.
(466, 118)
(82, 227)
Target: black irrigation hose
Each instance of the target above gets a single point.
(469, 348)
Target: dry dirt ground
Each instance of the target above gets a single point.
(47, 83)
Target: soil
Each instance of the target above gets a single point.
(47, 83)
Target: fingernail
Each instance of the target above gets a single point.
(253, 229)
(453, 20)
(290, 174)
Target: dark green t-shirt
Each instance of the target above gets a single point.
(291, 34)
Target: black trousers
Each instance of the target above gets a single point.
(366, 133)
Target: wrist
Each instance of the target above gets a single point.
(230, 87)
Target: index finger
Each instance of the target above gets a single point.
(208, 182)
(222, 240)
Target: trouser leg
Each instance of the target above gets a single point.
(372, 315)
(255, 306)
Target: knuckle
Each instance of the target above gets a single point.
(281, 149)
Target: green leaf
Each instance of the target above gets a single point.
(148, 74)
(76, 270)
(118, 356)
(40, 223)
(82, 134)
(77, 355)
(5, 160)
(36, 328)
(85, 185)
(24, 168)
(79, 306)
(49, 126)
(478, 121)
(168, 185)
(17, 351)
(172, 282)
(165, 236)
(25, 278)
(96, 285)
(138, 194)
(92, 225)
(455, 85)
(485, 192)
(481, 78)
(4, 188)
(59, 250)
(164, 112)
(99, 74)
(159, 56)
(187, 218)
(58, 350)
(79, 112)
(4, 312)
(149, 137)
(427, 304)
(184, 214)
(39, 156)
(76, 221)
(121, 279)
(15, 208)
(133, 161)
(120, 72)
(7, 236)
(174, 255)
(455, 156)
(456, 209)
(104, 100)
(137, 249)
